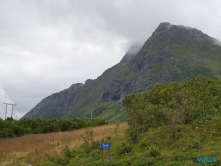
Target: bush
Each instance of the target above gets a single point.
(143, 143)
(89, 142)
(194, 144)
(195, 101)
(67, 153)
(96, 154)
(50, 128)
(62, 160)
(14, 128)
(124, 148)
(153, 151)
(5, 133)
(98, 122)
(132, 135)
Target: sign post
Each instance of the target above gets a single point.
(105, 145)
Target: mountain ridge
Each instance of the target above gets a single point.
(171, 53)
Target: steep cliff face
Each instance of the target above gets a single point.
(172, 53)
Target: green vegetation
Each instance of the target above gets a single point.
(157, 146)
(14, 128)
(207, 62)
(172, 124)
(195, 101)
(110, 111)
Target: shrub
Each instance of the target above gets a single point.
(153, 151)
(143, 143)
(96, 154)
(108, 138)
(124, 148)
(89, 142)
(132, 135)
(194, 144)
(67, 153)
(50, 128)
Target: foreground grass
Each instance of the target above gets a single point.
(158, 147)
(32, 148)
(162, 147)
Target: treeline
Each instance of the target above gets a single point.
(194, 101)
(13, 128)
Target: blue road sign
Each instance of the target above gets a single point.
(104, 145)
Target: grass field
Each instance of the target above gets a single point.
(31, 148)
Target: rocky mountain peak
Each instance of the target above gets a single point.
(169, 33)
(163, 27)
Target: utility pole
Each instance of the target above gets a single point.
(92, 114)
(12, 108)
(6, 109)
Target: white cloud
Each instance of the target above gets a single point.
(45, 46)
(4, 98)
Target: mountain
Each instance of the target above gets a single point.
(172, 53)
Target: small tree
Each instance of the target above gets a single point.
(89, 142)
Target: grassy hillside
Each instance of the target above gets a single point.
(156, 147)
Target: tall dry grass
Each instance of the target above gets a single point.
(32, 148)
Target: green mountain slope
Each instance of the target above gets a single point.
(172, 53)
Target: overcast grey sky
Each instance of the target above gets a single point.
(47, 45)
